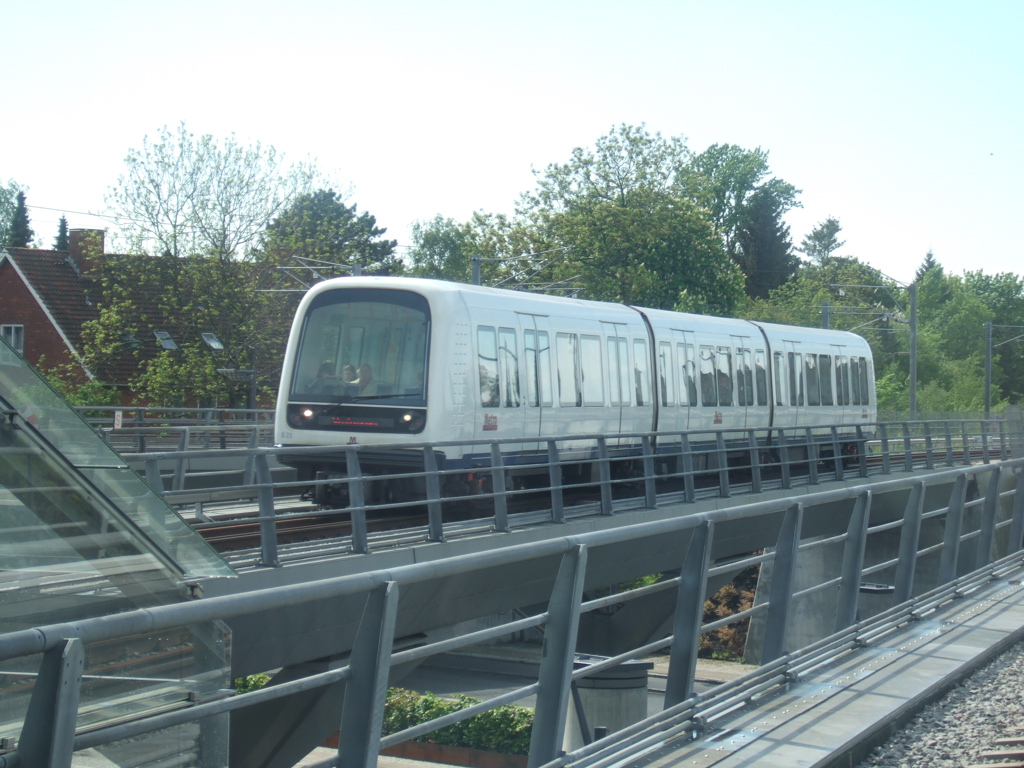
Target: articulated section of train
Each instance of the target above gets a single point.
(392, 362)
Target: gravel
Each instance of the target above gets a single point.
(954, 730)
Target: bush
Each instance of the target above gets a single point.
(505, 729)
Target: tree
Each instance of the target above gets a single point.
(19, 233)
(61, 243)
(320, 228)
(8, 197)
(763, 249)
(441, 249)
(185, 196)
(927, 265)
(626, 232)
(823, 241)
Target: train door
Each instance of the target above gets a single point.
(620, 379)
(795, 404)
(743, 374)
(686, 377)
(537, 398)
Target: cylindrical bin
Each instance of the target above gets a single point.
(610, 699)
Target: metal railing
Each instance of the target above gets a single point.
(675, 467)
(138, 429)
(989, 549)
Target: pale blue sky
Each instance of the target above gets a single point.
(902, 119)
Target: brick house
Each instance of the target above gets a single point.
(46, 296)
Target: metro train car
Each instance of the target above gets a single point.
(382, 361)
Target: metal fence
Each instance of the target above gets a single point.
(967, 556)
(684, 467)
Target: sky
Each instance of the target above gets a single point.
(903, 119)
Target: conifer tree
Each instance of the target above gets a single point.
(61, 243)
(20, 233)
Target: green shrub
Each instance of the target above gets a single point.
(504, 729)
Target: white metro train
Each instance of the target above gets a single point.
(381, 361)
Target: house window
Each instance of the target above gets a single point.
(14, 335)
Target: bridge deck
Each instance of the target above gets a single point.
(837, 714)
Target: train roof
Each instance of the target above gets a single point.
(484, 295)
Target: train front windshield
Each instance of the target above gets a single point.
(363, 345)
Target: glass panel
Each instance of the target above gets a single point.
(567, 363)
(508, 365)
(666, 384)
(487, 359)
(708, 377)
(688, 369)
(641, 372)
(865, 390)
(363, 343)
(825, 371)
(760, 360)
(811, 374)
(725, 380)
(593, 378)
(855, 381)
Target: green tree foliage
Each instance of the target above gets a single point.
(319, 228)
(823, 241)
(763, 248)
(60, 243)
(442, 248)
(19, 231)
(628, 233)
(187, 196)
(8, 202)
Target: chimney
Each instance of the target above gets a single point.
(84, 244)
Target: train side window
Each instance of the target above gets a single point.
(825, 372)
(508, 367)
(593, 378)
(842, 382)
(855, 381)
(567, 363)
(487, 358)
(666, 381)
(708, 377)
(780, 379)
(741, 379)
(796, 379)
(688, 374)
(761, 376)
(811, 375)
(865, 391)
(641, 372)
(538, 368)
(725, 375)
(618, 371)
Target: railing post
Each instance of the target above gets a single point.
(910, 533)
(787, 475)
(949, 445)
(650, 494)
(812, 457)
(268, 521)
(780, 593)
(557, 658)
(853, 562)
(954, 526)
(689, 482)
(929, 458)
(908, 448)
(690, 595)
(250, 467)
(723, 465)
(140, 438)
(837, 454)
(862, 452)
(984, 444)
(48, 732)
(966, 444)
(604, 472)
(499, 489)
(987, 529)
(362, 713)
(223, 434)
(755, 462)
(356, 500)
(435, 522)
(555, 479)
(179, 461)
(886, 464)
